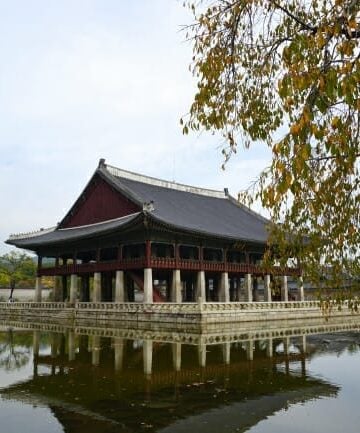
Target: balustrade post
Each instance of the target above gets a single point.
(284, 289)
(38, 289)
(267, 288)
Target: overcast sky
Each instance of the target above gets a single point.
(82, 80)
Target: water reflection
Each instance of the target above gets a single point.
(110, 380)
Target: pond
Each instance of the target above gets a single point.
(85, 381)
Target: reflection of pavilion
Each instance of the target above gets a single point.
(96, 383)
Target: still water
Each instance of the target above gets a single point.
(68, 381)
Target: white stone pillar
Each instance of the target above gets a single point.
(284, 289)
(269, 348)
(148, 286)
(202, 354)
(38, 289)
(176, 295)
(226, 353)
(238, 289)
(95, 350)
(71, 346)
(250, 350)
(286, 343)
(57, 289)
(97, 287)
(200, 286)
(267, 288)
(224, 288)
(119, 287)
(303, 344)
(176, 352)
(147, 355)
(73, 288)
(301, 296)
(118, 353)
(36, 343)
(248, 288)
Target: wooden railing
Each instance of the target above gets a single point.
(165, 263)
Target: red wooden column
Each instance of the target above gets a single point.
(148, 254)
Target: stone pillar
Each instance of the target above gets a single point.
(71, 346)
(57, 289)
(255, 289)
(147, 355)
(202, 354)
(36, 343)
(36, 346)
(267, 288)
(118, 353)
(38, 289)
(73, 288)
(238, 289)
(226, 353)
(176, 352)
(286, 343)
(248, 288)
(301, 296)
(269, 348)
(95, 350)
(200, 291)
(85, 288)
(176, 295)
(284, 289)
(97, 287)
(119, 286)
(224, 292)
(148, 286)
(303, 343)
(250, 350)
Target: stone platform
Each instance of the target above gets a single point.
(200, 313)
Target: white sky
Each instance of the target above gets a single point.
(82, 80)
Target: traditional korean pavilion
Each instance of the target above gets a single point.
(130, 237)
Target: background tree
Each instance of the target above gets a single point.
(287, 73)
(16, 268)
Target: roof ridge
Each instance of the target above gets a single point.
(119, 172)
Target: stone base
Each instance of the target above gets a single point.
(170, 313)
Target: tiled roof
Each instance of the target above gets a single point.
(178, 206)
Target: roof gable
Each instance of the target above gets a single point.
(99, 201)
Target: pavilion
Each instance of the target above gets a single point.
(128, 233)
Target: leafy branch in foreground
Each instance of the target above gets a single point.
(287, 74)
